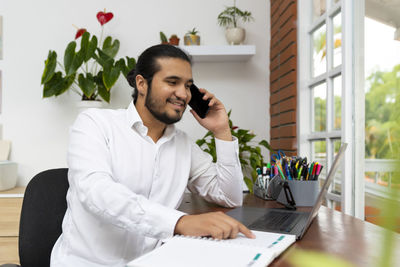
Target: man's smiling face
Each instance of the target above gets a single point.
(170, 90)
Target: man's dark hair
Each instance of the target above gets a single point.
(147, 64)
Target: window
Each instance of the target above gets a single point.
(328, 91)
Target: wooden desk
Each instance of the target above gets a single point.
(331, 232)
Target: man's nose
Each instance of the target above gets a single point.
(182, 93)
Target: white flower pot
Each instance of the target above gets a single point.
(8, 175)
(235, 36)
(85, 104)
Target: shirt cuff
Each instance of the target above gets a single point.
(227, 151)
(165, 219)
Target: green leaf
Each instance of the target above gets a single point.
(265, 144)
(209, 133)
(131, 64)
(110, 74)
(66, 84)
(88, 48)
(87, 84)
(200, 142)
(57, 85)
(110, 48)
(242, 132)
(163, 38)
(101, 88)
(249, 184)
(72, 60)
(103, 59)
(248, 137)
(49, 67)
(104, 93)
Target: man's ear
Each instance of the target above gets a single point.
(141, 85)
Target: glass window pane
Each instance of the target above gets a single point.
(319, 155)
(337, 40)
(382, 87)
(319, 51)
(337, 181)
(337, 102)
(319, 107)
(319, 8)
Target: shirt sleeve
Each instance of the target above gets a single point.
(90, 177)
(219, 182)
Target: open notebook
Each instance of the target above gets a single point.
(182, 251)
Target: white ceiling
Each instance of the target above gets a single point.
(385, 11)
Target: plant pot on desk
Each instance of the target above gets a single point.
(85, 104)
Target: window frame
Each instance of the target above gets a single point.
(352, 101)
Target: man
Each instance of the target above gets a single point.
(128, 170)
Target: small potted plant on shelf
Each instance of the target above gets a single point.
(163, 38)
(229, 19)
(250, 155)
(174, 40)
(191, 37)
(91, 71)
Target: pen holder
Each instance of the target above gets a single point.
(271, 191)
(304, 193)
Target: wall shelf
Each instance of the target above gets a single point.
(220, 53)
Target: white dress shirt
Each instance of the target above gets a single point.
(124, 188)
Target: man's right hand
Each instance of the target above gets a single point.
(218, 225)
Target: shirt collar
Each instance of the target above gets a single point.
(135, 122)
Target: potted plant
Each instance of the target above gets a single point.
(163, 38)
(250, 155)
(191, 37)
(229, 19)
(174, 40)
(90, 71)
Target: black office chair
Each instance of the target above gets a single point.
(43, 210)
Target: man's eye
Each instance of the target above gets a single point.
(172, 82)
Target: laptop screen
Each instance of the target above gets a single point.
(324, 189)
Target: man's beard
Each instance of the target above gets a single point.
(151, 104)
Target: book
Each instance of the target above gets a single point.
(183, 251)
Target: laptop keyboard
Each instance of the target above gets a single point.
(278, 221)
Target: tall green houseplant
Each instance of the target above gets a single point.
(250, 154)
(90, 71)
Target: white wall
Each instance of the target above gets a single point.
(38, 128)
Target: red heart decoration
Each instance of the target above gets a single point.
(79, 33)
(103, 17)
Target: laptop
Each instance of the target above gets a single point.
(282, 220)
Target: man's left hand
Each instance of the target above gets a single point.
(216, 120)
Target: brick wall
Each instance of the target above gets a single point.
(283, 75)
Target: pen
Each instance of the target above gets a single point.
(313, 171)
(254, 260)
(319, 171)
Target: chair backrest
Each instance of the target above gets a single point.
(43, 210)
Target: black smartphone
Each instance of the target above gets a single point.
(197, 103)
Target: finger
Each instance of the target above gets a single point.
(207, 94)
(216, 232)
(246, 231)
(195, 115)
(212, 102)
(243, 229)
(234, 224)
(226, 229)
